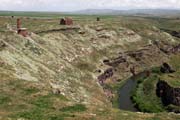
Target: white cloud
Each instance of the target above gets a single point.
(68, 5)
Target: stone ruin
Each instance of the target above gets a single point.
(97, 19)
(20, 30)
(66, 21)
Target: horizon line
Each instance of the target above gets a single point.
(63, 11)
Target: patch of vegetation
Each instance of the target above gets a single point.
(61, 97)
(75, 108)
(34, 114)
(42, 107)
(59, 117)
(173, 108)
(175, 61)
(29, 91)
(40, 114)
(145, 97)
(154, 118)
(173, 78)
(140, 80)
(115, 101)
(156, 70)
(46, 101)
(4, 99)
(42, 102)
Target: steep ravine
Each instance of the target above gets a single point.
(135, 68)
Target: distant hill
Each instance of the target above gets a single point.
(132, 12)
(98, 11)
(155, 12)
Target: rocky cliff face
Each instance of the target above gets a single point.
(132, 62)
(168, 94)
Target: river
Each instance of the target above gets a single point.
(125, 102)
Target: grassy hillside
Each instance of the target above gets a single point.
(52, 74)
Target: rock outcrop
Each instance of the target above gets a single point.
(136, 55)
(172, 32)
(115, 62)
(132, 61)
(168, 94)
(167, 48)
(107, 74)
(2, 44)
(166, 68)
(176, 49)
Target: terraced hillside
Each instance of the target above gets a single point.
(54, 73)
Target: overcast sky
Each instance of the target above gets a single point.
(71, 5)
